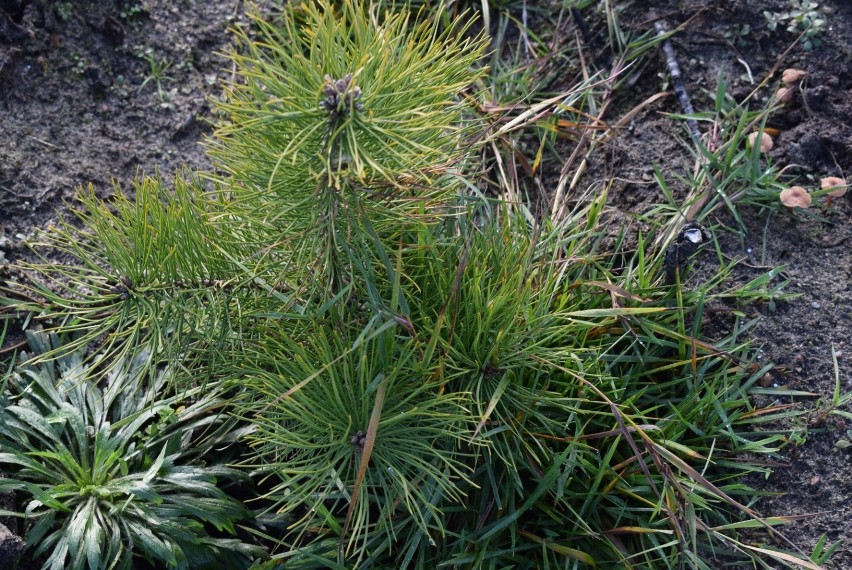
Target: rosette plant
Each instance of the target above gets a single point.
(107, 478)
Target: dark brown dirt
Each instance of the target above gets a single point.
(75, 109)
(75, 106)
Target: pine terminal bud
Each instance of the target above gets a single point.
(340, 97)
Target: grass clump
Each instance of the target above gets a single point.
(422, 376)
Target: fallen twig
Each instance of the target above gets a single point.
(674, 71)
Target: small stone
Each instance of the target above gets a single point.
(816, 305)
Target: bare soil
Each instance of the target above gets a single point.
(79, 106)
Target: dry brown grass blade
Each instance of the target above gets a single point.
(541, 110)
(366, 453)
(803, 563)
(658, 452)
(778, 519)
(585, 146)
(701, 480)
(13, 347)
(618, 291)
(301, 384)
(590, 436)
(767, 410)
(624, 430)
(631, 114)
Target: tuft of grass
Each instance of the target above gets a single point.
(157, 75)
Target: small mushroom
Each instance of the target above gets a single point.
(784, 95)
(795, 197)
(838, 186)
(765, 141)
(792, 76)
